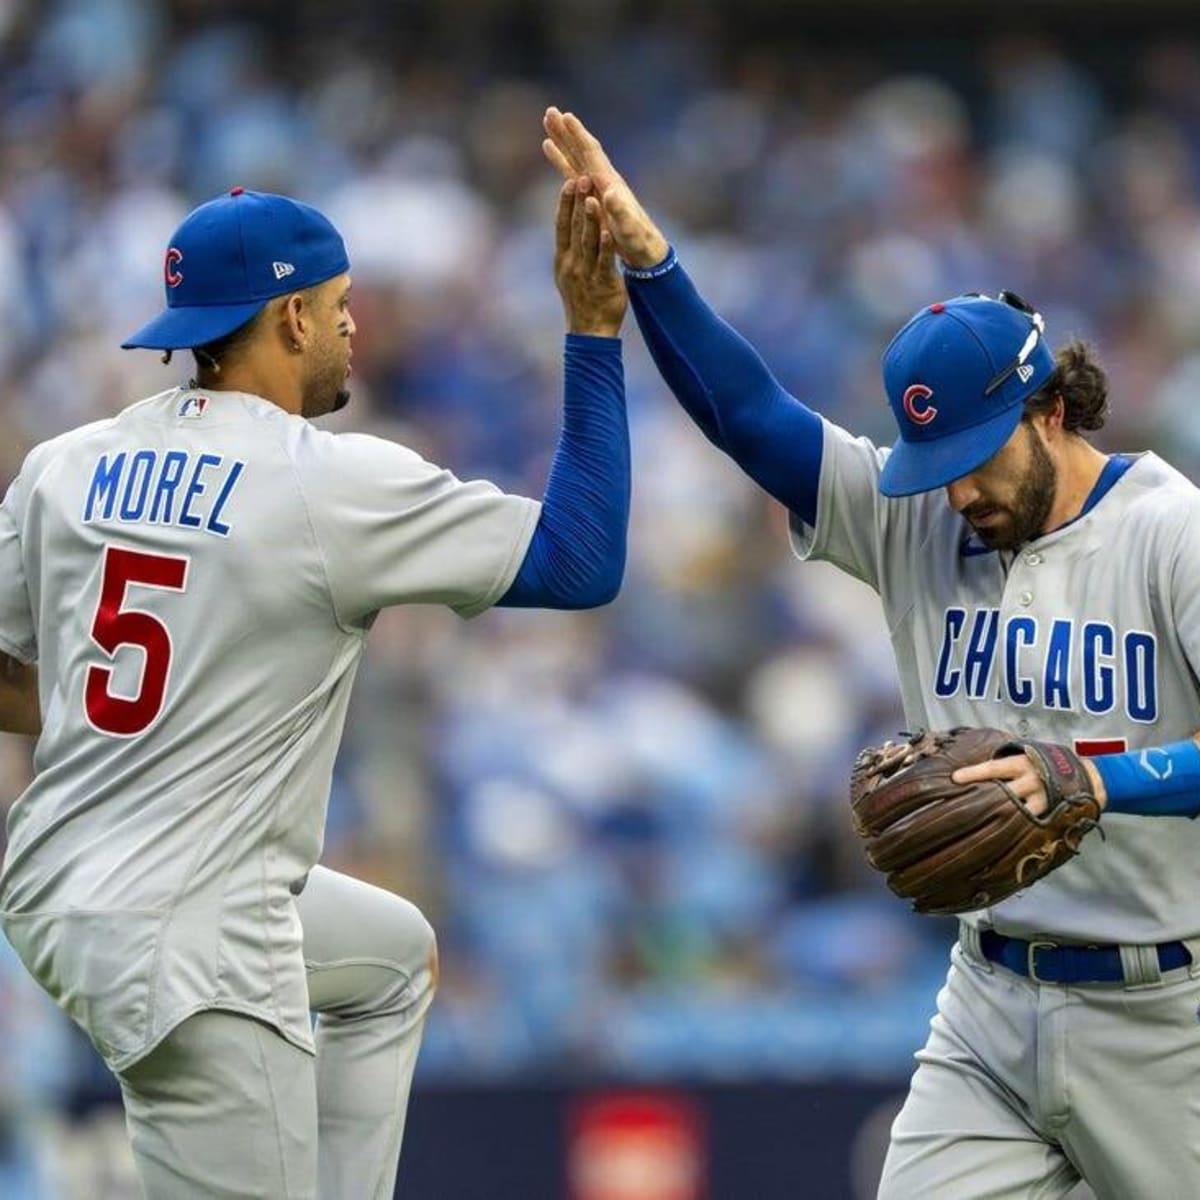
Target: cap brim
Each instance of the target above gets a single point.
(914, 467)
(183, 328)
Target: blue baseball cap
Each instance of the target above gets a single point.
(229, 257)
(957, 376)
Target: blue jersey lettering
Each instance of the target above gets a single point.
(105, 478)
(1046, 666)
(1056, 684)
(1141, 691)
(196, 489)
(174, 465)
(981, 651)
(137, 485)
(145, 485)
(214, 518)
(1019, 631)
(1099, 670)
(946, 682)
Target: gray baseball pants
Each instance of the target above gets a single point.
(1025, 1088)
(225, 1108)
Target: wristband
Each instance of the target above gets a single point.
(1160, 781)
(668, 264)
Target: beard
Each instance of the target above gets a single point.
(326, 392)
(1025, 517)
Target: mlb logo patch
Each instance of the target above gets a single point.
(193, 407)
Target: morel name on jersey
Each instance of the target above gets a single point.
(163, 487)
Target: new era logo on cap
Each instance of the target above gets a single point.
(283, 269)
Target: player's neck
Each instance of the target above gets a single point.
(1079, 468)
(256, 379)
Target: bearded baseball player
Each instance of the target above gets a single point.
(1050, 595)
(185, 594)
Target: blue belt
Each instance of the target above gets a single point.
(1049, 962)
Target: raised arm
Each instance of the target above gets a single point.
(716, 375)
(19, 711)
(576, 558)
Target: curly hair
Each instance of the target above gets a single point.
(1082, 383)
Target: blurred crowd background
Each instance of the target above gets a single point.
(629, 828)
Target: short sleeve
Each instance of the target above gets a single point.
(17, 635)
(1184, 585)
(850, 516)
(394, 529)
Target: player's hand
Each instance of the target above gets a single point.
(585, 269)
(576, 152)
(1023, 780)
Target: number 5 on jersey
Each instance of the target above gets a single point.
(116, 625)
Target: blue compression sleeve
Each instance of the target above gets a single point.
(577, 555)
(727, 389)
(1159, 782)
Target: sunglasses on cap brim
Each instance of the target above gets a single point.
(1039, 328)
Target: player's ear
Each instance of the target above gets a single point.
(1048, 417)
(296, 320)
(1056, 414)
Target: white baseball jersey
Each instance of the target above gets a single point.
(1089, 636)
(195, 579)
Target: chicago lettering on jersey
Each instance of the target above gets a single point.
(1067, 663)
(167, 487)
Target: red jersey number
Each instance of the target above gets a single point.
(115, 625)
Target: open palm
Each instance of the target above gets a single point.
(575, 152)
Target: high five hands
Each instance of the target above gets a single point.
(592, 290)
(576, 153)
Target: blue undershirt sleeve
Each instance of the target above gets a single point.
(576, 558)
(1163, 781)
(727, 389)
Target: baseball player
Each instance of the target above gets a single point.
(195, 580)
(1034, 584)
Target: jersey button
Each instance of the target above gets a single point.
(1022, 726)
(1033, 558)
(1026, 599)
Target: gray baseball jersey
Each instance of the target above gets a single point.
(196, 578)
(1088, 636)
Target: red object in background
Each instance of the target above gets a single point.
(636, 1146)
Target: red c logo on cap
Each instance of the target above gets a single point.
(173, 277)
(912, 397)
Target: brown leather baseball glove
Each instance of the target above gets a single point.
(951, 847)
